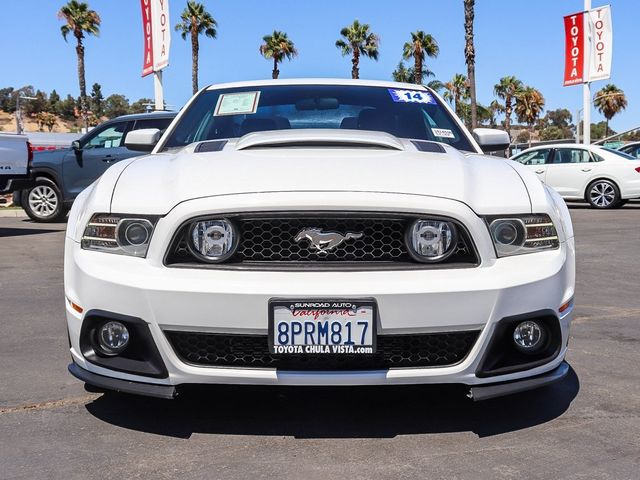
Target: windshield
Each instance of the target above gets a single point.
(231, 113)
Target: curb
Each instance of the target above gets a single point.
(13, 213)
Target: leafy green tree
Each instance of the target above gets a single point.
(277, 47)
(54, 101)
(37, 105)
(141, 105)
(116, 105)
(552, 132)
(358, 40)
(194, 21)
(97, 100)
(556, 125)
(599, 130)
(610, 100)
(507, 89)
(67, 108)
(46, 119)
(7, 102)
(79, 20)
(421, 45)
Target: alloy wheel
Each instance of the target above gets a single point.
(602, 194)
(43, 201)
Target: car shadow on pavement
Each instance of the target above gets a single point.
(334, 412)
(19, 232)
(586, 206)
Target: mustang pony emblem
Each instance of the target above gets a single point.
(324, 241)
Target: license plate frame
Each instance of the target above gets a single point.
(357, 302)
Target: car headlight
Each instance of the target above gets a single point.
(523, 234)
(124, 235)
(212, 240)
(431, 240)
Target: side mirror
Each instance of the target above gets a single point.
(491, 139)
(75, 145)
(142, 140)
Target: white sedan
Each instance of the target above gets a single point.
(603, 177)
(318, 232)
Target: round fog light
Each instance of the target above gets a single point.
(113, 338)
(529, 336)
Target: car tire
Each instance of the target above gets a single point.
(43, 203)
(603, 194)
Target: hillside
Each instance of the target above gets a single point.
(8, 124)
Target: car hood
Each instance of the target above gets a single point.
(155, 183)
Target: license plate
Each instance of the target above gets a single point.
(319, 327)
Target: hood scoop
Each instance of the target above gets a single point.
(319, 138)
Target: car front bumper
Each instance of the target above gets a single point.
(236, 302)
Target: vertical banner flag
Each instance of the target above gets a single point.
(157, 35)
(574, 49)
(601, 44)
(588, 46)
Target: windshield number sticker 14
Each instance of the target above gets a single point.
(411, 96)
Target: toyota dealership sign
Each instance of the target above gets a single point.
(157, 35)
(588, 46)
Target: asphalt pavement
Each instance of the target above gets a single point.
(585, 427)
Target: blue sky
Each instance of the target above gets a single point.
(513, 37)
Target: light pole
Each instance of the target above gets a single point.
(585, 126)
(19, 128)
(586, 87)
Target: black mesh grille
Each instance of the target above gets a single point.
(393, 351)
(265, 240)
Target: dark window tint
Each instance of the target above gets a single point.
(619, 153)
(110, 136)
(159, 123)
(534, 157)
(571, 155)
(283, 107)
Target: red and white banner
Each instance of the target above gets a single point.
(574, 47)
(157, 35)
(601, 44)
(588, 46)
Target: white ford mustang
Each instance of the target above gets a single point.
(318, 232)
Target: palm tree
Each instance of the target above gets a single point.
(507, 89)
(79, 20)
(529, 106)
(195, 20)
(436, 85)
(456, 91)
(609, 101)
(358, 40)
(406, 75)
(495, 108)
(278, 47)
(421, 44)
(470, 57)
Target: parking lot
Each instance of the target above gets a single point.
(586, 427)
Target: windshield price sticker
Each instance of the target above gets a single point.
(237, 103)
(411, 96)
(443, 133)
